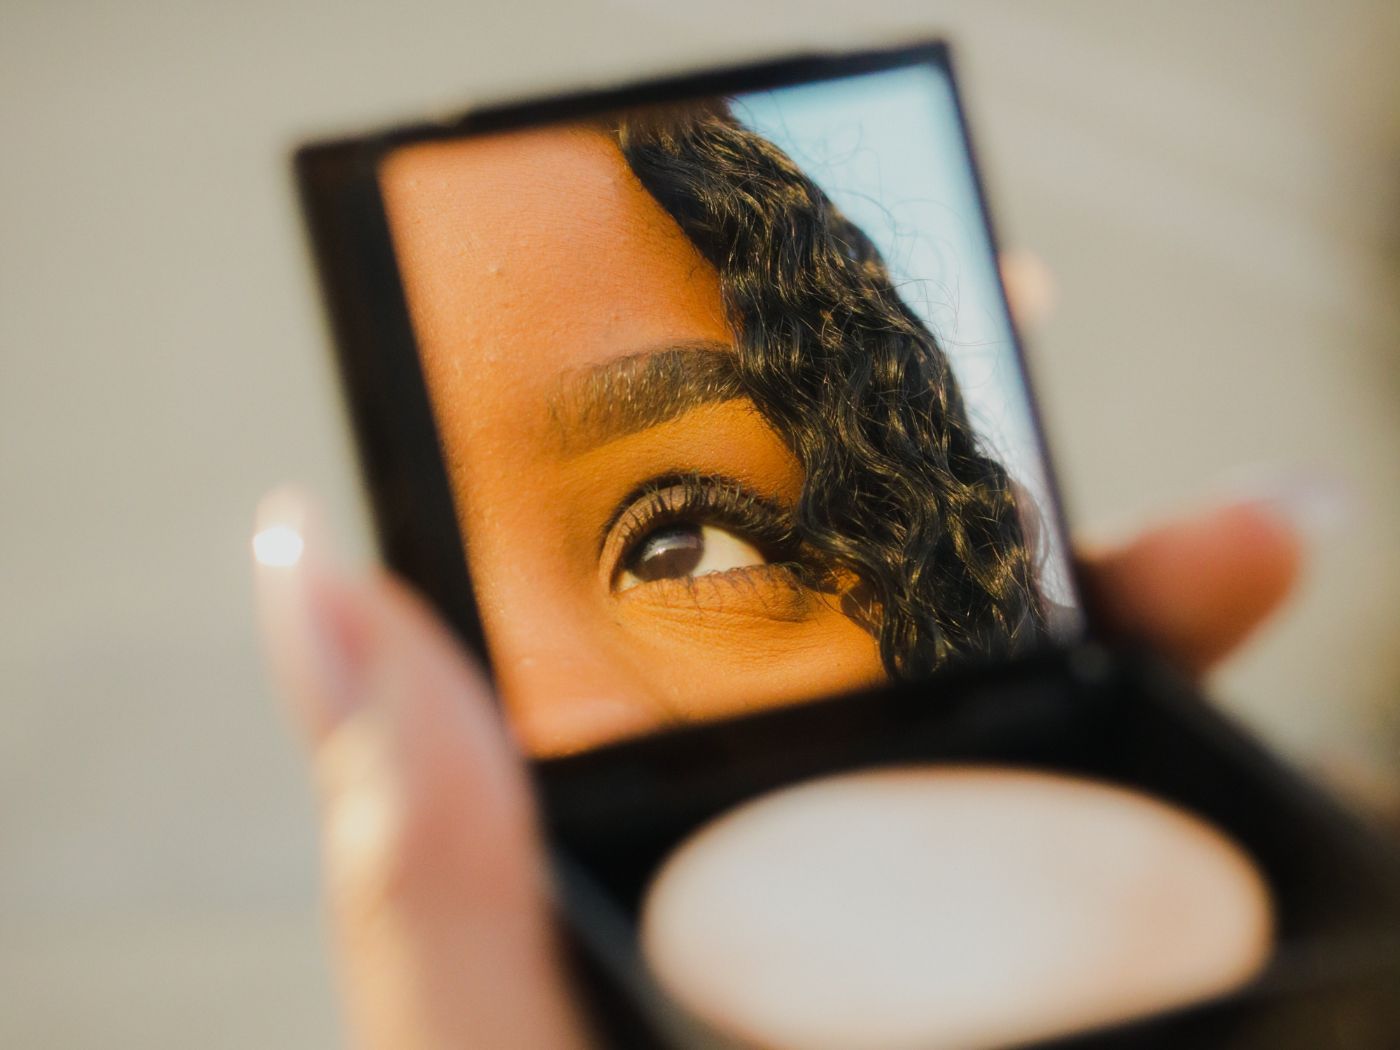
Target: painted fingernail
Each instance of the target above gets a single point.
(306, 611)
(1313, 503)
(1030, 286)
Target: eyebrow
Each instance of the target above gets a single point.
(641, 390)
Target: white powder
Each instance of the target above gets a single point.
(940, 907)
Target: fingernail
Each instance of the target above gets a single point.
(307, 611)
(1314, 504)
(1030, 286)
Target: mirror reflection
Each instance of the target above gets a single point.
(729, 404)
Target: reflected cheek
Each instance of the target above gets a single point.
(570, 721)
(709, 663)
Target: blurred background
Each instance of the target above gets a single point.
(1214, 187)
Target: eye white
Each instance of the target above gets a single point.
(725, 551)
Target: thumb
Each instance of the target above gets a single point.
(435, 875)
(1197, 587)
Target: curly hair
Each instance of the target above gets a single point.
(897, 488)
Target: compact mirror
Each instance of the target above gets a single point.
(730, 405)
(700, 399)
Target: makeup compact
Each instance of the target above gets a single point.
(696, 407)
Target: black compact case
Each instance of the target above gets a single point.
(1089, 707)
(1120, 716)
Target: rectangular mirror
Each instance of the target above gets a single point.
(729, 403)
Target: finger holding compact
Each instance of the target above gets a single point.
(433, 870)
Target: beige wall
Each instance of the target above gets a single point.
(1216, 186)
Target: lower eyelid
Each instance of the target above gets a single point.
(773, 591)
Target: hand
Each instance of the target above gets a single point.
(435, 874)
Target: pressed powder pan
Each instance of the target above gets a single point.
(949, 907)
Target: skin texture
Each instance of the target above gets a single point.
(531, 261)
(432, 857)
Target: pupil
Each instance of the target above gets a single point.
(667, 553)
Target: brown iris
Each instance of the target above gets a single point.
(669, 552)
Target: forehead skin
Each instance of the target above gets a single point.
(526, 257)
(498, 229)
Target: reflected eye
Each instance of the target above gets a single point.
(678, 527)
(685, 549)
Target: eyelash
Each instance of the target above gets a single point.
(706, 499)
